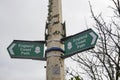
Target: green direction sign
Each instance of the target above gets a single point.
(80, 42)
(26, 49)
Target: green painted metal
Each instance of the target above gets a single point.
(26, 49)
(80, 42)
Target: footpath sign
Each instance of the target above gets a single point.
(27, 49)
(80, 42)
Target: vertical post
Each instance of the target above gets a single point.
(54, 33)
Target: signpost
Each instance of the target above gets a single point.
(80, 42)
(55, 31)
(27, 49)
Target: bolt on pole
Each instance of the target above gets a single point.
(55, 31)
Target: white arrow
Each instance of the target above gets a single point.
(11, 49)
(94, 37)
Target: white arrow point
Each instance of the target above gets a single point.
(11, 49)
(94, 37)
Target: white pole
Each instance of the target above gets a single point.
(54, 33)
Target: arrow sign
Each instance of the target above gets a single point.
(27, 49)
(79, 42)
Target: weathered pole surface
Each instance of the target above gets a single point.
(55, 31)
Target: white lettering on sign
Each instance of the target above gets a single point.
(25, 46)
(25, 53)
(80, 38)
(25, 49)
(81, 46)
(80, 41)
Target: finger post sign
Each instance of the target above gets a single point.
(80, 42)
(26, 49)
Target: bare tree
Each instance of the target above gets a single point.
(103, 62)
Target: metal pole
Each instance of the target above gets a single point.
(54, 32)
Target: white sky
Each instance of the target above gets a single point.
(25, 20)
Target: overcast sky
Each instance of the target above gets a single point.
(25, 20)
